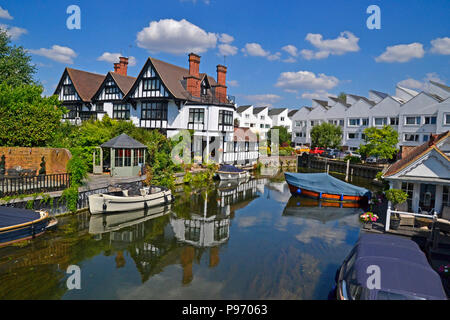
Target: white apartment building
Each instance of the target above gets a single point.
(414, 115)
(255, 118)
(280, 117)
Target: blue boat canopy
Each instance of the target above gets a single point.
(324, 183)
(13, 216)
(229, 168)
(403, 266)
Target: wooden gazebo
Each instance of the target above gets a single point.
(122, 156)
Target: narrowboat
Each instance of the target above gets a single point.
(229, 172)
(324, 187)
(387, 267)
(21, 224)
(129, 200)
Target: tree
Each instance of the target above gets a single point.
(26, 118)
(15, 63)
(326, 135)
(381, 143)
(283, 135)
(342, 96)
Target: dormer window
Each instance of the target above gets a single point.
(111, 88)
(204, 89)
(151, 84)
(68, 90)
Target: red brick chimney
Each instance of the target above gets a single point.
(221, 88)
(193, 80)
(116, 67)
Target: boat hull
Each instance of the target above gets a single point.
(24, 231)
(325, 196)
(104, 203)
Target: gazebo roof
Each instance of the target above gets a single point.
(123, 141)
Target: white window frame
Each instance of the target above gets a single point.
(416, 118)
(358, 120)
(379, 125)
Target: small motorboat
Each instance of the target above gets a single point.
(229, 172)
(402, 270)
(324, 187)
(21, 224)
(125, 200)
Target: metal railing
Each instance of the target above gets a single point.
(10, 186)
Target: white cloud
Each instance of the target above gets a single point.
(227, 50)
(401, 53)
(295, 81)
(233, 83)
(195, 1)
(421, 85)
(292, 50)
(177, 37)
(273, 57)
(255, 50)
(226, 38)
(4, 14)
(13, 32)
(263, 99)
(318, 94)
(290, 60)
(346, 42)
(57, 53)
(441, 46)
(114, 58)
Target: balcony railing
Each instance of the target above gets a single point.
(213, 99)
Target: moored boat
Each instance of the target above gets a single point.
(322, 186)
(229, 172)
(124, 200)
(21, 224)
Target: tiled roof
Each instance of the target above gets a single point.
(276, 111)
(340, 101)
(242, 109)
(291, 113)
(86, 83)
(124, 82)
(440, 85)
(380, 94)
(244, 134)
(322, 103)
(416, 153)
(258, 109)
(123, 141)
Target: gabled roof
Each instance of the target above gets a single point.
(440, 85)
(242, 109)
(173, 78)
(322, 103)
(123, 141)
(123, 82)
(382, 95)
(416, 153)
(86, 83)
(276, 111)
(340, 101)
(372, 103)
(411, 92)
(292, 112)
(258, 109)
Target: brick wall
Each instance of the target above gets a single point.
(30, 158)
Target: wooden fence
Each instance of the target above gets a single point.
(10, 186)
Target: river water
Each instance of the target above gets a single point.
(248, 240)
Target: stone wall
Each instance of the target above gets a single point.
(30, 158)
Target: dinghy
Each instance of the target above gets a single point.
(21, 224)
(322, 186)
(121, 201)
(229, 172)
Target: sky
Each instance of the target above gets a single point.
(278, 53)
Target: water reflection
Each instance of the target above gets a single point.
(237, 240)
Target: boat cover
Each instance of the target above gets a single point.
(323, 182)
(229, 168)
(13, 216)
(404, 267)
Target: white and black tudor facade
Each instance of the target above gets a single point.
(164, 97)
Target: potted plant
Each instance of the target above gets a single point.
(396, 197)
(368, 218)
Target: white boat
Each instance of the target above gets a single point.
(229, 172)
(121, 201)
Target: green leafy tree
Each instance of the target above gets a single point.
(283, 134)
(326, 135)
(15, 64)
(342, 96)
(381, 143)
(26, 118)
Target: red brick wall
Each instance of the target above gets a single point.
(30, 158)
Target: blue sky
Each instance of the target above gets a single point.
(279, 53)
